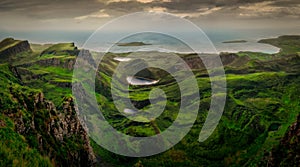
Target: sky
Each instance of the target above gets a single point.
(71, 15)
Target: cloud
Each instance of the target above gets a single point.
(99, 14)
(141, 1)
(77, 11)
(116, 1)
(156, 9)
(48, 9)
(268, 9)
(234, 8)
(199, 12)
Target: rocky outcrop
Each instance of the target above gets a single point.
(22, 46)
(68, 63)
(55, 132)
(64, 63)
(63, 84)
(289, 63)
(56, 62)
(10, 47)
(228, 58)
(68, 126)
(24, 74)
(288, 151)
(195, 62)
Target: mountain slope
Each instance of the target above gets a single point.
(55, 132)
(287, 153)
(10, 47)
(262, 102)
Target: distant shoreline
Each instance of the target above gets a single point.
(132, 44)
(235, 41)
(225, 46)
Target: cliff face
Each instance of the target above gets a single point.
(68, 64)
(54, 131)
(63, 63)
(288, 151)
(13, 47)
(55, 62)
(57, 133)
(195, 62)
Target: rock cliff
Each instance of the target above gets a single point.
(287, 153)
(56, 132)
(10, 47)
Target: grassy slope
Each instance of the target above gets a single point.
(18, 150)
(260, 106)
(47, 77)
(14, 148)
(59, 49)
(14, 151)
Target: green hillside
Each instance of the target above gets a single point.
(61, 49)
(262, 102)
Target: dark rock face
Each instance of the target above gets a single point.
(56, 62)
(62, 84)
(195, 62)
(57, 133)
(141, 104)
(289, 63)
(21, 46)
(74, 52)
(288, 151)
(69, 126)
(69, 63)
(228, 58)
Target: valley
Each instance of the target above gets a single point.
(39, 125)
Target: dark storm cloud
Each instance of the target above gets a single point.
(280, 8)
(71, 13)
(286, 3)
(121, 8)
(188, 5)
(45, 9)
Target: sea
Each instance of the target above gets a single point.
(157, 42)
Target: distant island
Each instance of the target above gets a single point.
(235, 41)
(132, 44)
